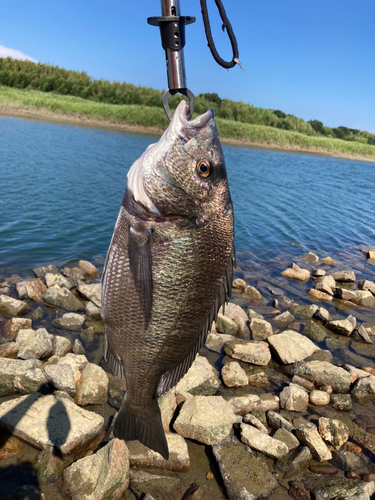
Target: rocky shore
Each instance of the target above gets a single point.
(279, 404)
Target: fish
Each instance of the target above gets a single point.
(168, 270)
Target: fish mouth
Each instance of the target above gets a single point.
(187, 129)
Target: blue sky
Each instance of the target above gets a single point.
(315, 59)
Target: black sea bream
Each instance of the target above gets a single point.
(168, 268)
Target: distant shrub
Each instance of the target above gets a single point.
(317, 126)
(279, 114)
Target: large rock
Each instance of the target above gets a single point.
(156, 485)
(364, 298)
(88, 292)
(276, 421)
(74, 273)
(306, 312)
(30, 381)
(260, 328)
(255, 422)
(225, 325)
(345, 489)
(348, 461)
(206, 419)
(10, 369)
(343, 326)
(102, 476)
(215, 342)
(253, 294)
(88, 268)
(245, 475)
(325, 295)
(48, 422)
(43, 270)
(92, 388)
(311, 257)
(62, 297)
(201, 379)
(233, 375)
(70, 321)
(284, 319)
(61, 346)
(296, 273)
(61, 377)
(35, 289)
(366, 285)
(34, 344)
(93, 310)
(314, 331)
(324, 373)
(333, 431)
(291, 346)
(167, 403)
(345, 276)
(363, 391)
(14, 325)
(309, 436)
(263, 442)
(294, 398)
(143, 457)
(288, 438)
(244, 404)
(249, 351)
(12, 307)
(58, 279)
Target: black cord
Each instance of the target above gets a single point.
(210, 40)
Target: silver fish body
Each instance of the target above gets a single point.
(168, 268)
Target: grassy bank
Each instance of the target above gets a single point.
(152, 119)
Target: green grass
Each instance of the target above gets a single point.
(155, 117)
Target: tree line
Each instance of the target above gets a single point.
(49, 78)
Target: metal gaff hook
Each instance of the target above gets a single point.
(172, 32)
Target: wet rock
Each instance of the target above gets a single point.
(87, 335)
(263, 442)
(314, 331)
(347, 461)
(88, 268)
(9, 350)
(260, 328)
(88, 292)
(239, 283)
(364, 298)
(294, 398)
(245, 475)
(354, 448)
(233, 310)
(276, 421)
(309, 436)
(21, 290)
(318, 273)
(344, 294)
(363, 391)
(267, 402)
(341, 402)
(74, 273)
(255, 422)
(14, 325)
(48, 422)
(327, 281)
(62, 297)
(298, 492)
(10, 445)
(159, 486)
(311, 257)
(98, 325)
(70, 321)
(345, 276)
(324, 468)
(361, 334)
(12, 307)
(296, 273)
(286, 437)
(28, 492)
(253, 314)
(58, 279)
(319, 398)
(43, 270)
(328, 261)
(36, 314)
(61, 346)
(167, 404)
(253, 294)
(369, 477)
(30, 381)
(343, 326)
(355, 373)
(243, 405)
(257, 376)
(201, 379)
(320, 295)
(248, 351)
(366, 285)
(291, 346)
(300, 462)
(321, 314)
(284, 319)
(322, 355)
(34, 344)
(324, 373)
(226, 325)
(305, 312)
(93, 311)
(10, 369)
(333, 431)
(4, 289)
(323, 287)
(35, 289)
(61, 377)
(215, 342)
(179, 460)
(104, 475)
(206, 419)
(233, 375)
(92, 388)
(78, 347)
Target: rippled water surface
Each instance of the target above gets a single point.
(62, 185)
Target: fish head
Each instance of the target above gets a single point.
(184, 173)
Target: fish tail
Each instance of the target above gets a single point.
(130, 425)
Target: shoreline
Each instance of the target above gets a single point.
(42, 114)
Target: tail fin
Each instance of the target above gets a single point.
(148, 430)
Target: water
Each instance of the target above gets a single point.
(62, 186)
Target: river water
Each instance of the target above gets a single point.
(61, 187)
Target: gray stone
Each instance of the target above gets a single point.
(327, 281)
(321, 314)
(314, 331)
(328, 261)
(323, 287)
(78, 347)
(296, 273)
(364, 298)
(43, 270)
(167, 404)
(79, 359)
(366, 285)
(48, 422)
(324, 373)
(285, 319)
(30, 381)
(257, 353)
(244, 404)
(343, 326)
(253, 314)
(291, 346)
(300, 462)
(4, 289)
(267, 402)
(233, 310)
(89, 291)
(345, 276)
(253, 294)
(276, 421)
(263, 442)
(347, 461)
(319, 398)
(255, 422)
(322, 355)
(355, 373)
(88, 335)
(35, 289)
(215, 342)
(206, 419)
(286, 437)
(93, 310)
(233, 375)
(260, 328)
(70, 321)
(62, 297)
(88, 268)
(61, 346)
(303, 382)
(345, 489)
(344, 294)
(319, 294)
(311, 257)
(12, 307)
(239, 283)
(334, 432)
(92, 388)
(294, 398)
(58, 279)
(245, 475)
(305, 312)
(341, 402)
(201, 379)
(363, 391)
(21, 290)
(225, 325)
(14, 325)
(161, 486)
(34, 344)
(74, 273)
(61, 377)
(37, 314)
(361, 334)
(318, 273)
(10, 369)
(102, 476)
(143, 457)
(309, 436)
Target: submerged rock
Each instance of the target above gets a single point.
(70, 321)
(14, 325)
(284, 319)
(296, 273)
(314, 331)
(341, 402)
(345, 489)
(160, 486)
(363, 391)
(287, 437)
(253, 294)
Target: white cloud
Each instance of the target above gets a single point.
(15, 54)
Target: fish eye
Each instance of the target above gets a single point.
(204, 168)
